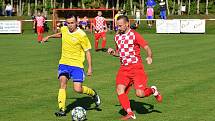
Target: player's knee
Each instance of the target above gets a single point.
(63, 85)
(77, 89)
(139, 94)
(120, 91)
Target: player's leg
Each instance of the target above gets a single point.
(149, 21)
(140, 84)
(103, 35)
(39, 33)
(63, 76)
(78, 75)
(122, 83)
(162, 14)
(124, 101)
(97, 36)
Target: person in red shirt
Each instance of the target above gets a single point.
(100, 26)
(39, 23)
(131, 71)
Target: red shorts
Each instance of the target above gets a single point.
(133, 74)
(99, 35)
(40, 29)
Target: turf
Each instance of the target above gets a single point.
(183, 70)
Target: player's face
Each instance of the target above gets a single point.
(71, 23)
(99, 13)
(122, 26)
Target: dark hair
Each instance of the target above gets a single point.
(123, 17)
(71, 16)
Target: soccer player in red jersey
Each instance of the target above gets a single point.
(100, 26)
(39, 22)
(131, 71)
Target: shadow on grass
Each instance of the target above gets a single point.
(140, 108)
(84, 102)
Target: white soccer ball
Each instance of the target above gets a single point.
(79, 114)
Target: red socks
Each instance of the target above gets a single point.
(96, 44)
(147, 92)
(125, 103)
(40, 37)
(103, 43)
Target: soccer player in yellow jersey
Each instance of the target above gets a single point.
(75, 44)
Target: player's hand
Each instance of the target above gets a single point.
(89, 72)
(105, 29)
(149, 60)
(111, 51)
(97, 30)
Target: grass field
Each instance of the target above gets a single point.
(183, 70)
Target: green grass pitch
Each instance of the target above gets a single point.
(183, 69)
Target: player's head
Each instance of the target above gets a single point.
(71, 22)
(123, 24)
(99, 13)
(38, 14)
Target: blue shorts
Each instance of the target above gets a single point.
(163, 14)
(71, 72)
(149, 17)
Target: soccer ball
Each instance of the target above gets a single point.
(78, 114)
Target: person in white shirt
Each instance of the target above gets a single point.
(138, 16)
(9, 9)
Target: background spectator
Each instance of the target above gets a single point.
(84, 23)
(150, 14)
(162, 9)
(9, 9)
(138, 16)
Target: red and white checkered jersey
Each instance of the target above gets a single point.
(128, 45)
(99, 23)
(40, 20)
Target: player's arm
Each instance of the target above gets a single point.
(57, 35)
(86, 45)
(145, 46)
(149, 54)
(44, 20)
(89, 61)
(105, 23)
(93, 23)
(34, 24)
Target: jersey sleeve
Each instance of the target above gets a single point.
(140, 40)
(85, 43)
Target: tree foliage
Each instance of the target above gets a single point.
(129, 5)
